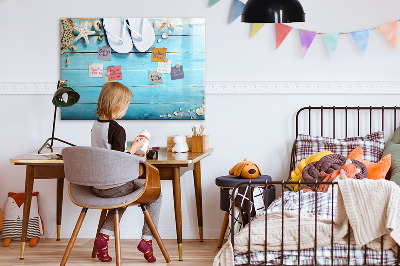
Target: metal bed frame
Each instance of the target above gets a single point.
(283, 184)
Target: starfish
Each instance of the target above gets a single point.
(84, 32)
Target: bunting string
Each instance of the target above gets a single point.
(361, 37)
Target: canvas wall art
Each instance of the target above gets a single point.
(161, 60)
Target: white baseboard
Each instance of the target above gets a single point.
(249, 87)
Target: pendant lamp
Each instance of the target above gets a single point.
(63, 97)
(273, 11)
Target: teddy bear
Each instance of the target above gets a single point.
(245, 169)
(13, 215)
(180, 144)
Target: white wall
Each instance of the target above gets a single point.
(258, 126)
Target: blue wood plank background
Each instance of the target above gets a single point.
(174, 99)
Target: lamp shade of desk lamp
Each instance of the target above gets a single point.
(65, 96)
(273, 11)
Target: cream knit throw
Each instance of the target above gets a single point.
(371, 206)
(290, 235)
(373, 209)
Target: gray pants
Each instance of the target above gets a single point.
(154, 208)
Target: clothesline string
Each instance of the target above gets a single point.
(342, 33)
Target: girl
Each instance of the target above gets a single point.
(114, 100)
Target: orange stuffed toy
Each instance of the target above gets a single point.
(245, 169)
(375, 170)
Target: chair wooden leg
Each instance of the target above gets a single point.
(117, 239)
(154, 230)
(101, 222)
(73, 237)
(223, 229)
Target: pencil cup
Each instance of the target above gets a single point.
(200, 143)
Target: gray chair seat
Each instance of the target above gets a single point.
(83, 196)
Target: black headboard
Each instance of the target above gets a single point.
(344, 121)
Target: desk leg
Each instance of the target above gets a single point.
(27, 206)
(199, 204)
(176, 182)
(60, 190)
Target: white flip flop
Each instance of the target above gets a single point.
(142, 33)
(117, 34)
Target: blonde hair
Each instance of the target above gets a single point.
(112, 99)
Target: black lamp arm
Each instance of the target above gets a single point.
(46, 143)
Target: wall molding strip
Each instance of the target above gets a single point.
(250, 87)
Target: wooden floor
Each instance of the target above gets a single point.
(50, 252)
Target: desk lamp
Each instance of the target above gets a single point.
(273, 11)
(64, 96)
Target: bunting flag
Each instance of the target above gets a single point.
(306, 39)
(256, 27)
(213, 2)
(237, 9)
(281, 31)
(389, 30)
(361, 37)
(332, 41)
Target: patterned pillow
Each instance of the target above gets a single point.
(372, 144)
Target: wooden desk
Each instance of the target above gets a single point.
(168, 164)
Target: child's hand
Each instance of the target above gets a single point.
(137, 144)
(142, 155)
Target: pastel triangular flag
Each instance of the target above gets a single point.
(237, 9)
(213, 2)
(306, 39)
(389, 30)
(281, 31)
(256, 27)
(332, 41)
(361, 37)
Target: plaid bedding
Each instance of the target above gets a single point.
(372, 145)
(322, 207)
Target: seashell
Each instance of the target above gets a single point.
(162, 25)
(169, 115)
(171, 24)
(176, 113)
(97, 25)
(72, 48)
(200, 110)
(180, 109)
(156, 24)
(164, 35)
(67, 34)
(159, 40)
(181, 115)
(101, 37)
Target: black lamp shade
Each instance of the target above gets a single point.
(73, 96)
(273, 11)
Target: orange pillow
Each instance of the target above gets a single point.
(375, 170)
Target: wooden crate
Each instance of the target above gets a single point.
(200, 143)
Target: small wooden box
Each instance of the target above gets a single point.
(200, 143)
(171, 143)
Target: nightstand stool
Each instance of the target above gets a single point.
(228, 182)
